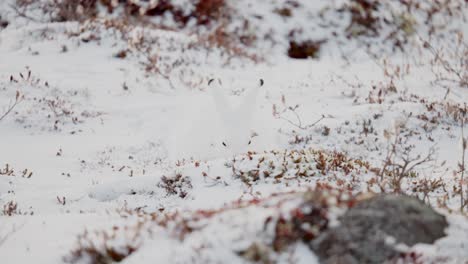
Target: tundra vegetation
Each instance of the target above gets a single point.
(352, 149)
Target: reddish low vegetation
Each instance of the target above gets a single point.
(204, 11)
(310, 218)
(305, 222)
(304, 50)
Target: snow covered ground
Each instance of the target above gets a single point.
(116, 144)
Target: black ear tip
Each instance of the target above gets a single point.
(261, 82)
(210, 81)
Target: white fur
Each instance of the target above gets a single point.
(206, 121)
(237, 120)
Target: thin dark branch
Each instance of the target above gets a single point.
(8, 234)
(18, 99)
(462, 167)
(21, 13)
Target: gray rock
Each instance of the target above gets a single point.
(365, 229)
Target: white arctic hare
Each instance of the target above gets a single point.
(237, 121)
(207, 126)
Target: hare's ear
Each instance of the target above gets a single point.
(219, 98)
(246, 108)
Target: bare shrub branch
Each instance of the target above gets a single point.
(400, 163)
(450, 63)
(18, 98)
(462, 168)
(280, 113)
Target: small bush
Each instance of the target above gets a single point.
(304, 50)
(75, 10)
(101, 252)
(310, 218)
(176, 185)
(204, 11)
(208, 10)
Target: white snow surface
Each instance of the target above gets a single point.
(100, 134)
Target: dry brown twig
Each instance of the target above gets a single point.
(461, 166)
(22, 12)
(18, 98)
(8, 234)
(292, 109)
(400, 163)
(450, 64)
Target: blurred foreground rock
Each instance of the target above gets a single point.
(370, 230)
